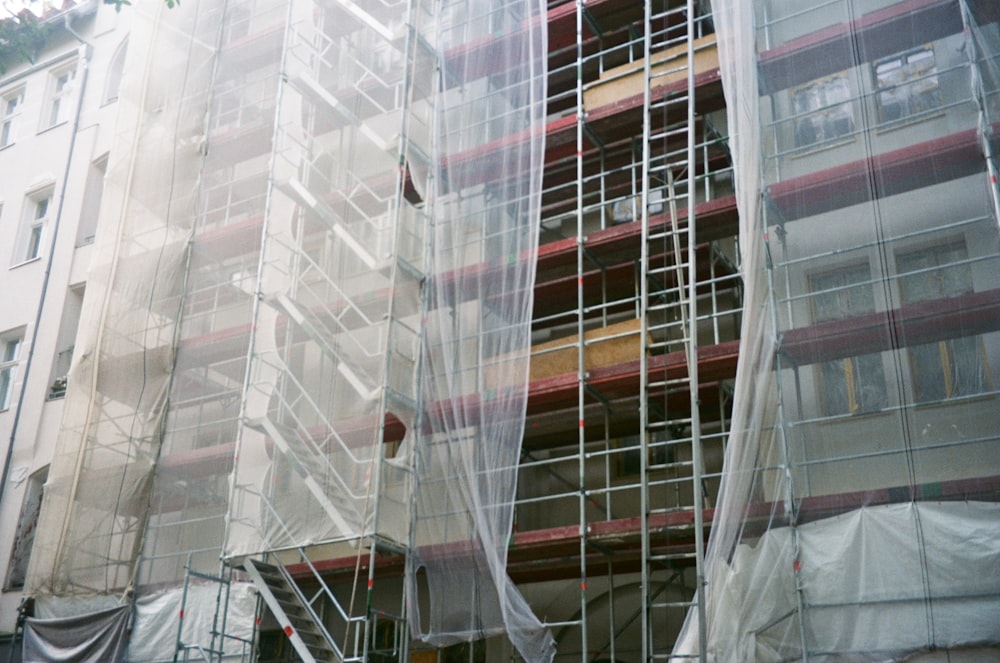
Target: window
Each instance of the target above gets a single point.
(91, 208)
(907, 84)
(822, 110)
(10, 353)
(36, 216)
(24, 537)
(58, 104)
(952, 367)
(114, 80)
(72, 307)
(853, 384)
(10, 104)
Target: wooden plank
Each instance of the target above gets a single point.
(668, 66)
(613, 344)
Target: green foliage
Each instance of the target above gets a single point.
(23, 35)
(125, 3)
(21, 39)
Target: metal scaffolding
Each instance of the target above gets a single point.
(644, 287)
(864, 431)
(347, 280)
(334, 232)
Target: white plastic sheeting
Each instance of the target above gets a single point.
(483, 201)
(862, 134)
(97, 496)
(309, 317)
(858, 570)
(328, 323)
(163, 617)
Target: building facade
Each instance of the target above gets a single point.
(440, 331)
(55, 136)
(860, 518)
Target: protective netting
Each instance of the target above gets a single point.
(483, 198)
(855, 520)
(309, 318)
(334, 343)
(94, 514)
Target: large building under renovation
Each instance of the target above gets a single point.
(400, 330)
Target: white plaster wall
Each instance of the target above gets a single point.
(39, 158)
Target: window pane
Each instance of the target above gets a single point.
(967, 367)
(953, 367)
(34, 243)
(827, 108)
(835, 389)
(928, 374)
(907, 84)
(54, 115)
(11, 349)
(869, 378)
(6, 378)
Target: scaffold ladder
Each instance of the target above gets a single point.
(671, 463)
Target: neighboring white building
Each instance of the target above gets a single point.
(55, 134)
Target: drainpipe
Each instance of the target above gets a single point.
(86, 52)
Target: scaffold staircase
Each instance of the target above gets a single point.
(336, 304)
(353, 349)
(293, 612)
(671, 464)
(316, 473)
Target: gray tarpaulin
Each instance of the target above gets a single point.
(98, 637)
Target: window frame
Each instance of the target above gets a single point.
(862, 395)
(11, 347)
(924, 79)
(35, 216)
(24, 535)
(115, 73)
(56, 96)
(949, 352)
(9, 118)
(826, 111)
(628, 454)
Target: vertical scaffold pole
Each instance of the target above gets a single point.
(581, 346)
(692, 336)
(644, 590)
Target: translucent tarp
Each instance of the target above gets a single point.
(482, 194)
(95, 508)
(851, 523)
(189, 615)
(315, 254)
(335, 332)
